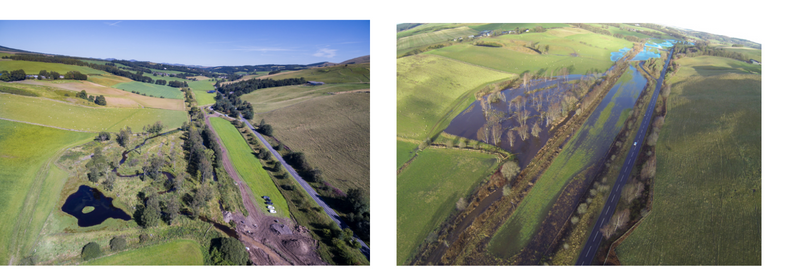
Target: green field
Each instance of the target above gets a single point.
(354, 73)
(249, 167)
(63, 115)
(31, 67)
(429, 188)
(707, 190)
(428, 28)
(404, 152)
(29, 184)
(150, 89)
(334, 133)
(512, 26)
(703, 66)
(268, 99)
(749, 52)
(200, 88)
(431, 87)
(178, 252)
(423, 39)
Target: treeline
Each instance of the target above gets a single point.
(702, 48)
(604, 31)
(138, 76)
(233, 106)
(100, 100)
(249, 68)
(230, 103)
(16, 75)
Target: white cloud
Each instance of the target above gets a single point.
(112, 24)
(328, 53)
(261, 49)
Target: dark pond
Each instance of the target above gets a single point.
(87, 196)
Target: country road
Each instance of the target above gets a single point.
(311, 192)
(592, 244)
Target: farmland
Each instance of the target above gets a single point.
(34, 67)
(431, 87)
(334, 134)
(150, 89)
(423, 39)
(354, 73)
(200, 88)
(249, 167)
(29, 189)
(178, 252)
(404, 151)
(68, 116)
(269, 99)
(429, 188)
(65, 91)
(707, 188)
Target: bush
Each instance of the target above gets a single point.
(510, 170)
(117, 243)
(229, 251)
(461, 204)
(266, 130)
(582, 208)
(91, 251)
(575, 220)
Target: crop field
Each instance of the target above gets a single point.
(31, 67)
(354, 73)
(150, 89)
(64, 115)
(431, 87)
(268, 99)
(404, 151)
(29, 184)
(107, 80)
(178, 252)
(64, 91)
(423, 39)
(707, 189)
(430, 187)
(249, 167)
(334, 133)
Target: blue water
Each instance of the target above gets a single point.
(652, 50)
(618, 55)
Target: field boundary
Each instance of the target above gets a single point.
(42, 125)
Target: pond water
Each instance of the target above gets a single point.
(651, 50)
(102, 207)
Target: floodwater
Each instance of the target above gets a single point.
(87, 196)
(651, 50)
(590, 143)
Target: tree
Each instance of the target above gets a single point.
(90, 251)
(152, 211)
(649, 168)
(510, 169)
(109, 182)
(536, 130)
(229, 251)
(155, 128)
(117, 243)
(266, 130)
(124, 136)
(100, 100)
(82, 94)
(172, 208)
(103, 136)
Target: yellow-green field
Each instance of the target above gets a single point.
(31, 67)
(334, 133)
(68, 116)
(29, 182)
(268, 99)
(429, 188)
(423, 39)
(149, 89)
(354, 73)
(178, 252)
(707, 189)
(430, 87)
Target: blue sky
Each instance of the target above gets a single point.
(208, 43)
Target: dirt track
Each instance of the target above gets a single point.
(268, 246)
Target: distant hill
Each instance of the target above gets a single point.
(6, 49)
(358, 60)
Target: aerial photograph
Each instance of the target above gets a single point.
(129, 142)
(577, 144)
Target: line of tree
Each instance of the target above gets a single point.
(178, 84)
(703, 48)
(138, 76)
(16, 75)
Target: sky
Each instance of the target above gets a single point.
(206, 43)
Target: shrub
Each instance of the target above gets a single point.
(266, 130)
(229, 251)
(461, 204)
(575, 220)
(510, 170)
(91, 251)
(582, 208)
(117, 243)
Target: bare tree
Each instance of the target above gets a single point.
(536, 130)
(482, 133)
(649, 168)
(496, 131)
(511, 137)
(461, 204)
(523, 131)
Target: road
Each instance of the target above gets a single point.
(311, 192)
(595, 238)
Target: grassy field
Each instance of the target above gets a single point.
(427, 28)
(432, 87)
(354, 73)
(512, 26)
(31, 67)
(200, 88)
(29, 186)
(68, 116)
(404, 151)
(429, 188)
(107, 80)
(268, 99)
(749, 52)
(423, 39)
(150, 89)
(249, 167)
(64, 90)
(707, 190)
(178, 252)
(334, 133)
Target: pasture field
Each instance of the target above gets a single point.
(427, 28)
(178, 252)
(512, 26)
(68, 116)
(108, 80)
(29, 183)
(334, 133)
(199, 89)
(31, 67)
(64, 91)
(749, 52)
(704, 66)
(269, 99)
(404, 151)
(430, 88)
(428, 38)
(707, 189)
(150, 89)
(354, 73)
(249, 167)
(429, 188)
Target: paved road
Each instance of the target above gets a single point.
(330, 212)
(592, 244)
